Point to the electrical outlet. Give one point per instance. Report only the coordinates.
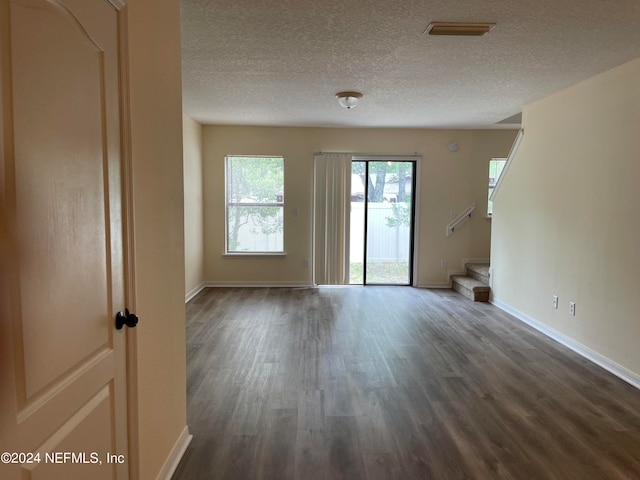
(555, 302)
(306, 263)
(453, 214)
(443, 264)
(572, 308)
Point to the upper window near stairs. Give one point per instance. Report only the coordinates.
(496, 165)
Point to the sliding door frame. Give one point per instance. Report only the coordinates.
(413, 237)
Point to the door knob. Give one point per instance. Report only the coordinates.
(126, 318)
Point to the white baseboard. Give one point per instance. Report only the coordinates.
(194, 292)
(435, 285)
(258, 284)
(616, 369)
(176, 454)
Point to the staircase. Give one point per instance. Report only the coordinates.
(475, 284)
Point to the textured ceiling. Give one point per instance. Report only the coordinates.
(259, 62)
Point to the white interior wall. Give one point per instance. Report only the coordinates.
(448, 181)
(566, 218)
(193, 206)
(158, 405)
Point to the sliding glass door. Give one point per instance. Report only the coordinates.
(381, 223)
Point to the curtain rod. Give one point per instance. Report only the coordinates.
(358, 154)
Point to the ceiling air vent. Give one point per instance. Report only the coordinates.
(459, 28)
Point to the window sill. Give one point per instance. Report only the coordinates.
(255, 254)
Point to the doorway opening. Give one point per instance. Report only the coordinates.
(382, 222)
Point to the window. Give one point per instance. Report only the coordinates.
(255, 204)
(495, 169)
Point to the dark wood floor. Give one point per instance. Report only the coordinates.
(393, 383)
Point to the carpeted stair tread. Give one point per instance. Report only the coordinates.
(470, 283)
(481, 269)
(475, 284)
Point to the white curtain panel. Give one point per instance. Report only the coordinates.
(332, 206)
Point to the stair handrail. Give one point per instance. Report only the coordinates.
(512, 153)
(461, 219)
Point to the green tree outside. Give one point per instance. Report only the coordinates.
(255, 196)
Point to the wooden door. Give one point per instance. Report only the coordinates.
(62, 377)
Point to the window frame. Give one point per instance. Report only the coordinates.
(228, 204)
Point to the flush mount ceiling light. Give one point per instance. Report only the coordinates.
(348, 100)
(459, 28)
